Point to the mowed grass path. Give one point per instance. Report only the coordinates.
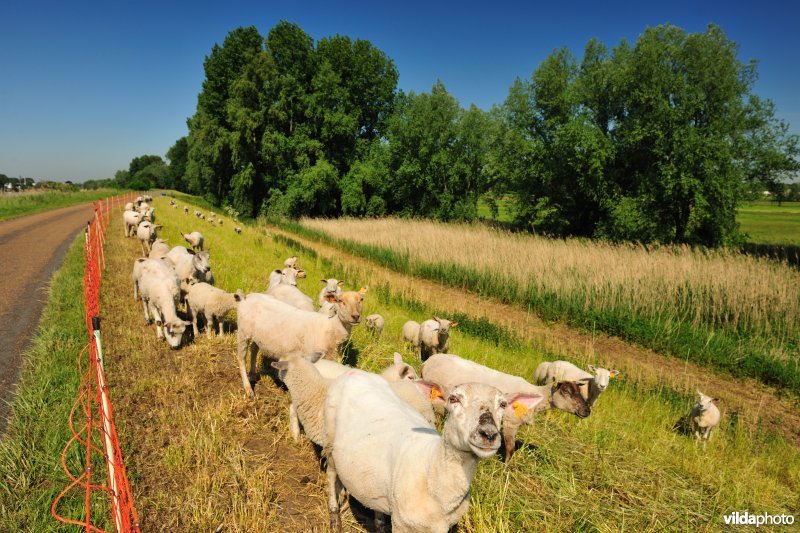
(202, 455)
(13, 205)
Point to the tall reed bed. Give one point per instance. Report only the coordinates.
(713, 306)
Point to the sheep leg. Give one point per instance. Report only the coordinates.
(219, 323)
(333, 495)
(209, 325)
(141, 243)
(294, 423)
(193, 318)
(159, 322)
(380, 522)
(510, 441)
(241, 355)
(146, 311)
(135, 290)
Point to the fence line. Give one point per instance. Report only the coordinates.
(93, 404)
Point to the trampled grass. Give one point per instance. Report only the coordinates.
(201, 455)
(30, 452)
(718, 308)
(14, 205)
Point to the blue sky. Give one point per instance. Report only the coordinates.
(87, 86)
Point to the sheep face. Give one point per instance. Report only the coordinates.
(476, 412)
(566, 396)
(348, 307)
(202, 262)
(402, 369)
(173, 332)
(332, 287)
(704, 402)
(602, 376)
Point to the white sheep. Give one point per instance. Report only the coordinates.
(194, 268)
(220, 221)
(195, 240)
(705, 417)
(158, 249)
(158, 287)
(237, 229)
(197, 213)
(591, 385)
(131, 221)
(280, 330)
(212, 303)
(290, 294)
(285, 275)
(411, 332)
(186, 210)
(291, 262)
(328, 293)
(146, 232)
(434, 336)
(390, 460)
(143, 208)
(449, 370)
(176, 252)
(374, 324)
(128, 206)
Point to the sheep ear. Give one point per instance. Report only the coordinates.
(521, 403)
(397, 358)
(453, 324)
(714, 399)
(437, 319)
(592, 368)
(315, 356)
(363, 290)
(614, 373)
(187, 323)
(237, 296)
(700, 393)
(141, 260)
(432, 391)
(325, 281)
(278, 271)
(280, 365)
(340, 283)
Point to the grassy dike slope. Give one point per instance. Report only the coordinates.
(202, 455)
(30, 453)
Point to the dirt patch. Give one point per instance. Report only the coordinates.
(756, 404)
(31, 249)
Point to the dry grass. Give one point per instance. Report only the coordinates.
(201, 455)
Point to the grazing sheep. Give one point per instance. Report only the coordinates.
(328, 293)
(434, 336)
(195, 240)
(194, 268)
(374, 324)
(281, 330)
(128, 206)
(290, 294)
(389, 459)
(450, 370)
(158, 249)
(705, 417)
(591, 386)
(220, 221)
(131, 221)
(147, 198)
(212, 303)
(411, 332)
(158, 287)
(186, 210)
(149, 214)
(176, 253)
(172, 201)
(286, 275)
(237, 229)
(143, 207)
(146, 233)
(197, 213)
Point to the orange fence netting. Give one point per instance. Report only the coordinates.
(91, 419)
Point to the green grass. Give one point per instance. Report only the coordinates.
(505, 210)
(623, 468)
(30, 453)
(766, 222)
(740, 353)
(14, 205)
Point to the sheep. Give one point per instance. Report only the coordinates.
(172, 201)
(128, 206)
(450, 370)
(411, 332)
(291, 262)
(308, 380)
(280, 330)
(194, 268)
(286, 275)
(434, 336)
(202, 217)
(176, 253)
(327, 309)
(146, 233)
(399, 370)
(147, 198)
(329, 291)
(195, 240)
(290, 294)
(591, 386)
(391, 461)
(143, 207)
(158, 287)
(212, 303)
(374, 324)
(149, 214)
(186, 210)
(237, 229)
(197, 213)
(705, 417)
(158, 249)
(138, 201)
(131, 220)
(220, 221)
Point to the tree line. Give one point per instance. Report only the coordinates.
(654, 141)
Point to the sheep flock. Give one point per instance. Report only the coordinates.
(403, 443)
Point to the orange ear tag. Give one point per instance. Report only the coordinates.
(519, 409)
(435, 393)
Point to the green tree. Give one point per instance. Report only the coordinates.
(178, 156)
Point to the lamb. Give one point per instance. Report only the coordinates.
(195, 240)
(391, 461)
(308, 380)
(705, 417)
(193, 268)
(374, 324)
(212, 303)
(197, 213)
(186, 210)
(290, 294)
(329, 291)
(411, 332)
(434, 336)
(237, 229)
(450, 370)
(281, 330)
(291, 262)
(159, 249)
(131, 221)
(146, 233)
(158, 287)
(220, 221)
(591, 386)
